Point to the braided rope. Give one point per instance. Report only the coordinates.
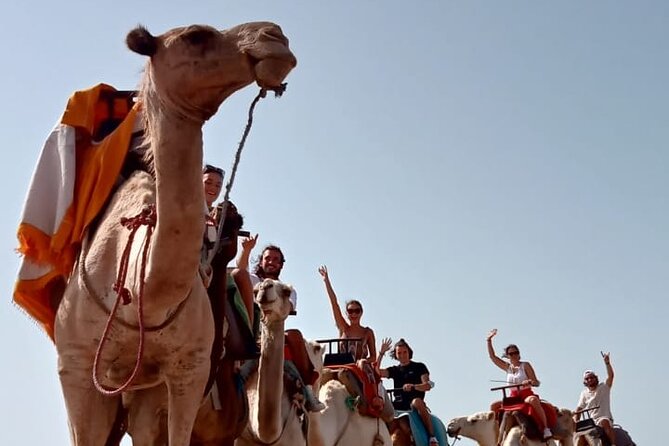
(278, 91)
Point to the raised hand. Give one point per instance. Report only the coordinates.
(248, 243)
(605, 356)
(386, 344)
(492, 334)
(323, 271)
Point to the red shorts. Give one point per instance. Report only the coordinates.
(521, 393)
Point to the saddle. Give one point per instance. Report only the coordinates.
(363, 383)
(523, 414)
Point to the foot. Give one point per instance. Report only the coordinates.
(547, 434)
(434, 441)
(311, 403)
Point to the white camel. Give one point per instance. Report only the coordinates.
(483, 428)
(191, 71)
(339, 424)
(274, 416)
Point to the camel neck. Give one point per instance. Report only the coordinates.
(175, 253)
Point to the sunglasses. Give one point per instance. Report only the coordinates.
(354, 310)
(209, 168)
(513, 353)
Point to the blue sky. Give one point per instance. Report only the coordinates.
(458, 166)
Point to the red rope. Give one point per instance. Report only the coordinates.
(146, 217)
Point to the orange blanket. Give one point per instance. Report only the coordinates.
(73, 178)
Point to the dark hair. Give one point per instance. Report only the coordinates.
(401, 343)
(208, 168)
(258, 271)
(506, 349)
(354, 302)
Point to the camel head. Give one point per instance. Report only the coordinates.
(272, 297)
(193, 69)
(481, 426)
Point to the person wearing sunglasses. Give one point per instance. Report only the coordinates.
(597, 396)
(518, 372)
(365, 349)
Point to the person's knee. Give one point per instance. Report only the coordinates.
(418, 404)
(533, 400)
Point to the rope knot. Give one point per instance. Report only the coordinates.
(147, 216)
(123, 293)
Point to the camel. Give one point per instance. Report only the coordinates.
(596, 437)
(483, 428)
(341, 425)
(190, 72)
(274, 417)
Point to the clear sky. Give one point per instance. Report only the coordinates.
(458, 166)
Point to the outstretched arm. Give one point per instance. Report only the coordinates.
(609, 369)
(336, 310)
(247, 246)
(491, 352)
(385, 346)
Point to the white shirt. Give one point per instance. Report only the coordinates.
(516, 375)
(601, 397)
(255, 280)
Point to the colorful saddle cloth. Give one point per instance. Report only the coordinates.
(71, 183)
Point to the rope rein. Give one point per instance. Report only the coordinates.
(146, 217)
(278, 92)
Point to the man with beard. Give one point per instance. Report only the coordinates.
(298, 367)
(597, 396)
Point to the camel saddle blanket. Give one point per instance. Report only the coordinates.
(418, 431)
(72, 181)
(527, 410)
(372, 403)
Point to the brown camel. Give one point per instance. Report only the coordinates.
(191, 71)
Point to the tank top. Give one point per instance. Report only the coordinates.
(516, 375)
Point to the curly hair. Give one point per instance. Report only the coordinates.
(258, 271)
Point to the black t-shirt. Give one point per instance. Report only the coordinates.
(408, 374)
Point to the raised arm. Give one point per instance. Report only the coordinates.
(609, 369)
(491, 352)
(336, 310)
(385, 346)
(248, 244)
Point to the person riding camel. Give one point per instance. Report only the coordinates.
(597, 397)
(518, 372)
(366, 348)
(414, 380)
(297, 367)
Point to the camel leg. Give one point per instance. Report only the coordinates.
(185, 392)
(82, 400)
(147, 416)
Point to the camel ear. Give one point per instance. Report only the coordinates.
(141, 41)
